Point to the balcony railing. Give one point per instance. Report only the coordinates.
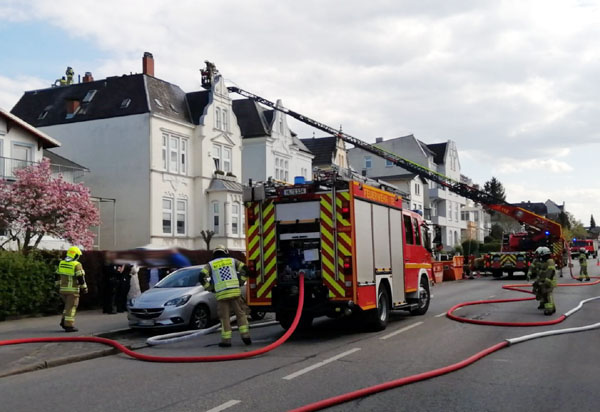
(9, 165)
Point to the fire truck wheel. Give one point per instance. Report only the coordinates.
(287, 318)
(257, 314)
(497, 273)
(377, 319)
(423, 300)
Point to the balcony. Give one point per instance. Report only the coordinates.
(8, 166)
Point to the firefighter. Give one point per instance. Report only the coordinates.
(223, 275)
(543, 270)
(583, 272)
(70, 279)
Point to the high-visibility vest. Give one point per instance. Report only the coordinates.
(224, 277)
(543, 269)
(68, 281)
(582, 259)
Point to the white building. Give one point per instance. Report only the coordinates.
(171, 160)
(22, 145)
(270, 148)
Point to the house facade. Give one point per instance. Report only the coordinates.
(439, 205)
(171, 160)
(270, 149)
(328, 152)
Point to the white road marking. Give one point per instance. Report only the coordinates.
(318, 365)
(440, 315)
(400, 330)
(493, 296)
(224, 406)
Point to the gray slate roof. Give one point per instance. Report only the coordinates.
(110, 100)
(322, 148)
(56, 159)
(222, 185)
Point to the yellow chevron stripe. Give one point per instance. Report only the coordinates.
(325, 232)
(343, 250)
(345, 237)
(333, 283)
(268, 237)
(341, 270)
(266, 285)
(327, 204)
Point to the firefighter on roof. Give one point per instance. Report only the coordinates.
(70, 278)
(542, 270)
(583, 272)
(223, 275)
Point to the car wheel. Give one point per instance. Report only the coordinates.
(200, 318)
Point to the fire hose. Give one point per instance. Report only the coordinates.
(176, 359)
(361, 393)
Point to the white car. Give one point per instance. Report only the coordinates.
(177, 300)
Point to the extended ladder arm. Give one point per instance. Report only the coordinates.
(457, 187)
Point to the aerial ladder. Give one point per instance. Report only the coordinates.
(544, 231)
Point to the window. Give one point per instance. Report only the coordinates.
(417, 231)
(449, 210)
(89, 96)
(167, 216)
(181, 217)
(125, 103)
(174, 153)
(225, 120)
(222, 157)
(158, 103)
(417, 189)
(408, 231)
(216, 227)
(282, 169)
(22, 154)
(476, 216)
(389, 163)
(368, 162)
(464, 216)
(280, 125)
(235, 219)
(218, 118)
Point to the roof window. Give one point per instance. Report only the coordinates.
(158, 103)
(173, 107)
(43, 115)
(125, 103)
(89, 96)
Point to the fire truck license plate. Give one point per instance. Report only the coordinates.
(294, 191)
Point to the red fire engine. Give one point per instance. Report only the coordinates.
(359, 251)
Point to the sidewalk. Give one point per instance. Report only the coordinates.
(27, 357)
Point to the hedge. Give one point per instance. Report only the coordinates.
(27, 284)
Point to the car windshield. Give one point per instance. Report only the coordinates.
(181, 278)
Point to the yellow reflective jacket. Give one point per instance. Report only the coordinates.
(71, 276)
(221, 276)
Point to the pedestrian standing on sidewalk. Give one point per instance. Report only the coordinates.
(71, 282)
(123, 285)
(134, 288)
(110, 278)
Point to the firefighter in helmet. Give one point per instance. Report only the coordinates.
(70, 279)
(224, 275)
(583, 272)
(543, 270)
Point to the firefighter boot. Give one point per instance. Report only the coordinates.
(587, 279)
(62, 323)
(70, 329)
(549, 309)
(247, 340)
(541, 305)
(225, 343)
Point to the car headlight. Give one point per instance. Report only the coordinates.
(178, 301)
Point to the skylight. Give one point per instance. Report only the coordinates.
(158, 103)
(89, 96)
(125, 103)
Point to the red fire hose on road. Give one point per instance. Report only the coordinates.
(176, 359)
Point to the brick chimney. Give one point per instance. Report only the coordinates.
(88, 77)
(72, 106)
(148, 64)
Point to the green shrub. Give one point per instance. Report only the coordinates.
(490, 247)
(471, 247)
(27, 284)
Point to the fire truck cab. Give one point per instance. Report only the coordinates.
(359, 251)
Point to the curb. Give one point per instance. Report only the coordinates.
(50, 363)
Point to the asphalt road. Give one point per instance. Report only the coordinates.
(558, 373)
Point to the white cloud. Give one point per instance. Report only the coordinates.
(549, 165)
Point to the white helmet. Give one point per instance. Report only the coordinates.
(542, 251)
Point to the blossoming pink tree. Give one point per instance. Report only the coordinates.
(38, 205)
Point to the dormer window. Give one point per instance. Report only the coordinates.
(89, 96)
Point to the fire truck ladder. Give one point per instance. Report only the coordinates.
(460, 188)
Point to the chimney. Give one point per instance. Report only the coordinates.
(148, 64)
(72, 106)
(378, 139)
(88, 77)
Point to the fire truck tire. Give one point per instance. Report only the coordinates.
(497, 273)
(287, 318)
(423, 299)
(377, 319)
(258, 314)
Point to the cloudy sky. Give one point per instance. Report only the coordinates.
(514, 83)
